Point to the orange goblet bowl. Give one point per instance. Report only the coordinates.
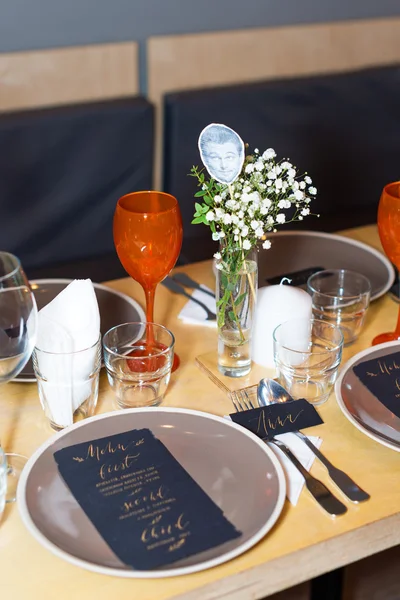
(148, 238)
(389, 234)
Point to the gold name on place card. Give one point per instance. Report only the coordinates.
(265, 425)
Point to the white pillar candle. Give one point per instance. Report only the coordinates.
(275, 305)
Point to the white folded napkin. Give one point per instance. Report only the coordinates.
(294, 479)
(69, 323)
(193, 314)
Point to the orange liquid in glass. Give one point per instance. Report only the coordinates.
(389, 233)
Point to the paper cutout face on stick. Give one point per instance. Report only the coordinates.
(222, 152)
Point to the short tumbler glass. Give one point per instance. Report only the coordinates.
(138, 358)
(307, 355)
(340, 297)
(68, 383)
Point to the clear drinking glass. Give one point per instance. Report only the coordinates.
(68, 383)
(341, 297)
(18, 323)
(307, 355)
(138, 358)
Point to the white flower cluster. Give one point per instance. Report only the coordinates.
(255, 203)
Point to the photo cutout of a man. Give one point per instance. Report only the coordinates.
(222, 152)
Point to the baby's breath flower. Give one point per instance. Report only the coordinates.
(217, 256)
(246, 245)
(227, 219)
(249, 168)
(268, 154)
(254, 224)
(280, 218)
(308, 180)
(312, 191)
(210, 216)
(217, 199)
(266, 245)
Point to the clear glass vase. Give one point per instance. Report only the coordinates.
(236, 300)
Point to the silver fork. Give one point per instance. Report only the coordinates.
(317, 489)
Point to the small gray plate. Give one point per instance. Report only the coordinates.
(361, 407)
(293, 251)
(234, 467)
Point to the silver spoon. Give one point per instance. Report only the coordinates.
(269, 392)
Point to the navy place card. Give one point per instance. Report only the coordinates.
(144, 504)
(268, 421)
(382, 377)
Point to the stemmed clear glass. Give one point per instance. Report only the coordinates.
(18, 325)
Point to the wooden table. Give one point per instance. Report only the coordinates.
(304, 543)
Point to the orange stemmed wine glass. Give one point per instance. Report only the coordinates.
(148, 239)
(389, 233)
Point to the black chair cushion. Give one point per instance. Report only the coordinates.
(343, 129)
(62, 171)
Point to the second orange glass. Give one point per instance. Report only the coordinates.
(389, 233)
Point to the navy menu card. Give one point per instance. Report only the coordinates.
(143, 503)
(268, 421)
(382, 377)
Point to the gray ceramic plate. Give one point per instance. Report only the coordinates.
(294, 251)
(115, 308)
(361, 407)
(238, 471)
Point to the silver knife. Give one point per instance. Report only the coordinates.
(317, 489)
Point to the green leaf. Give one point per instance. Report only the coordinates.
(232, 316)
(197, 220)
(208, 200)
(224, 280)
(240, 299)
(200, 193)
(199, 207)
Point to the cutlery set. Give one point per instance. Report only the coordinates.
(269, 392)
(175, 284)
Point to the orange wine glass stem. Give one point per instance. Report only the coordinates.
(150, 293)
